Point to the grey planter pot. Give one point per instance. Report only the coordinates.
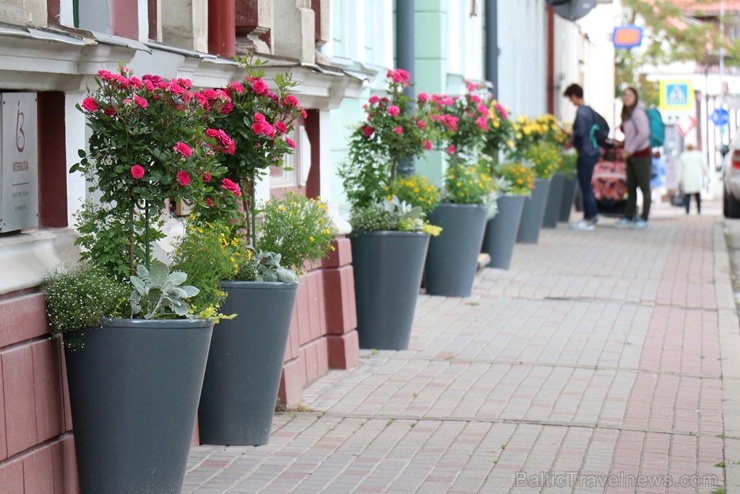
(134, 391)
(534, 208)
(501, 231)
(569, 194)
(453, 255)
(554, 200)
(387, 269)
(244, 366)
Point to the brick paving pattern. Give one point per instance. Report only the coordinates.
(595, 358)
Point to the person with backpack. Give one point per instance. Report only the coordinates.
(585, 138)
(636, 129)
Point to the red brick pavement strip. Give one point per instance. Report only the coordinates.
(576, 360)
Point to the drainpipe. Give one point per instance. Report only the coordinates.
(222, 27)
(405, 56)
(550, 61)
(491, 43)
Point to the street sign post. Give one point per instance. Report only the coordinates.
(720, 117)
(676, 95)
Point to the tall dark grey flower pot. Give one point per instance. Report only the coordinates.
(387, 269)
(134, 391)
(243, 373)
(554, 200)
(569, 193)
(501, 231)
(532, 212)
(453, 255)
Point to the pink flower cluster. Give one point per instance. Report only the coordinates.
(226, 143)
(399, 76)
(231, 186)
(449, 121)
(501, 111)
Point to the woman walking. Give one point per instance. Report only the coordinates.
(636, 129)
(692, 169)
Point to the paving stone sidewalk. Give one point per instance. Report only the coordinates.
(596, 363)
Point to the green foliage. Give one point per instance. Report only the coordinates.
(266, 266)
(209, 252)
(517, 178)
(394, 215)
(468, 184)
(159, 294)
(78, 297)
(568, 164)
(296, 227)
(396, 129)
(417, 191)
(545, 157)
(104, 237)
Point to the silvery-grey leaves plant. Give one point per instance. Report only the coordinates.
(157, 292)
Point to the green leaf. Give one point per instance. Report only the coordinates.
(158, 275)
(177, 278)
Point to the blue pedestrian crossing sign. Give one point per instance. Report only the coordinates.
(676, 95)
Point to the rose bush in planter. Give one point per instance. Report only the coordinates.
(390, 236)
(137, 371)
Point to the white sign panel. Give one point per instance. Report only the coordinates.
(19, 180)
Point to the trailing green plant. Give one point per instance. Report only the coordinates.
(78, 297)
(392, 214)
(417, 191)
(297, 228)
(159, 294)
(468, 184)
(396, 129)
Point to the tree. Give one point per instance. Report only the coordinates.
(671, 36)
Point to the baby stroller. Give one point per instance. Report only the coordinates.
(610, 183)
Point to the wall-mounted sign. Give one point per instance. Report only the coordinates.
(627, 37)
(19, 179)
(676, 95)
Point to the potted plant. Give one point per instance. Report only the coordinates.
(247, 351)
(530, 147)
(551, 131)
(467, 200)
(390, 237)
(135, 362)
(515, 182)
(568, 170)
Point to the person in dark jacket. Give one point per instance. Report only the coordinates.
(588, 155)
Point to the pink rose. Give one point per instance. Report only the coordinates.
(482, 110)
(421, 124)
(105, 75)
(290, 142)
(367, 131)
(212, 132)
(175, 88)
(183, 178)
(183, 149)
(281, 127)
(269, 130)
(210, 93)
(475, 99)
(258, 128)
(481, 121)
(207, 177)
(451, 149)
(231, 186)
(149, 86)
(209, 202)
(110, 111)
(137, 171)
(259, 87)
(428, 145)
(258, 117)
(373, 100)
(398, 130)
(89, 104)
(226, 109)
(141, 101)
(393, 111)
(291, 101)
(135, 82)
(502, 111)
(303, 113)
(236, 87)
(423, 97)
